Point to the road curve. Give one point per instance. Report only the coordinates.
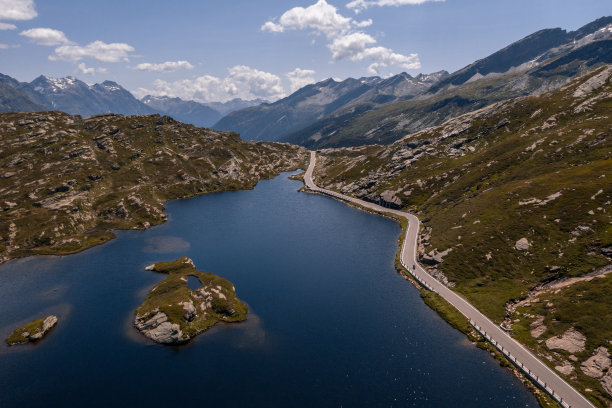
(544, 376)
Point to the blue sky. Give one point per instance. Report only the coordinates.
(220, 49)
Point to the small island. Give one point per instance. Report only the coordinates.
(32, 332)
(173, 313)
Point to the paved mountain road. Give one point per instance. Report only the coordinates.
(517, 353)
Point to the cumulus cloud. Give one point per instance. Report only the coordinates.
(17, 10)
(359, 5)
(83, 69)
(99, 50)
(345, 39)
(241, 82)
(348, 46)
(299, 78)
(6, 26)
(321, 17)
(168, 66)
(46, 36)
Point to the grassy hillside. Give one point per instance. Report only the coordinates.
(66, 181)
(518, 192)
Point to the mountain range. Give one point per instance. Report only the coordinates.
(379, 111)
(273, 121)
(540, 62)
(74, 96)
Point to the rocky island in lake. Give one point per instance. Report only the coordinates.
(173, 313)
(33, 331)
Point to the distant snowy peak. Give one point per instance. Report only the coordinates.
(111, 86)
(45, 84)
(433, 77)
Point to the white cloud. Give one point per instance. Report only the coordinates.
(272, 27)
(345, 41)
(350, 45)
(364, 23)
(17, 10)
(299, 78)
(241, 82)
(83, 69)
(354, 46)
(359, 5)
(168, 66)
(46, 36)
(383, 57)
(321, 17)
(98, 50)
(6, 26)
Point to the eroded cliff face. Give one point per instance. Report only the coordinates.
(66, 181)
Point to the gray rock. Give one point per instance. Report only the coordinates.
(606, 382)
(522, 244)
(48, 324)
(159, 329)
(155, 321)
(166, 333)
(190, 311)
(572, 341)
(596, 365)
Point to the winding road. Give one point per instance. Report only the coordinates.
(541, 374)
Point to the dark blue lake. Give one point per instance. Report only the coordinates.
(331, 323)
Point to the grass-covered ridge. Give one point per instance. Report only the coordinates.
(537, 168)
(67, 181)
(174, 313)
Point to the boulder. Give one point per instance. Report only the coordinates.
(190, 311)
(522, 244)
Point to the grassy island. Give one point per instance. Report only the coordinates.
(173, 313)
(33, 331)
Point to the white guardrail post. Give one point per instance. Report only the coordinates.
(538, 381)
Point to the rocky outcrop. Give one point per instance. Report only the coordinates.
(537, 327)
(434, 257)
(565, 368)
(33, 331)
(159, 329)
(571, 341)
(596, 365)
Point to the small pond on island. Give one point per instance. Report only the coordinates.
(331, 323)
